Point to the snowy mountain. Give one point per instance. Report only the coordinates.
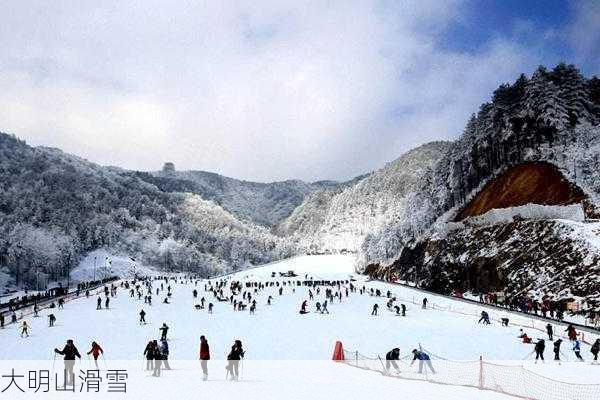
(56, 207)
(262, 203)
(339, 218)
(540, 132)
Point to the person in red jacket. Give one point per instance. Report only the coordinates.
(204, 356)
(95, 351)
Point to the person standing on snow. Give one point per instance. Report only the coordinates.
(164, 351)
(99, 303)
(51, 320)
(423, 360)
(24, 329)
(424, 303)
(234, 357)
(70, 352)
(142, 317)
(549, 331)
(571, 332)
(163, 331)
(95, 351)
(390, 360)
(149, 354)
(157, 357)
(557, 344)
(539, 350)
(204, 357)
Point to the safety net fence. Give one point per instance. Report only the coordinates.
(513, 380)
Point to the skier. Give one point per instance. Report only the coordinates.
(403, 310)
(390, 359)
(550, 331)
(61, 303)
(210, 308)
(106, 302)
(424, 303)
(95, 351)
(164, 351)
(318, 305)
(142, 317)
(269, 300)
(324, 308)
(539, 350)
(204, 357)
(485, 318)
(163, 331)
(234, 357)
(557, 344)
(35, 310)
(423, 359)
(99, 303)
(577, 349)
(51, 320)
(24, 329)
(375, 307)
(70, 352)
(595, 349)
(149, 353)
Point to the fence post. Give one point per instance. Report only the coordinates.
(480, 372)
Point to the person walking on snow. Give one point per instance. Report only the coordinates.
(142, 317)
(571, 332)
(99, 303)
(204, 357)
(234, 357)
(69, 352)
(375, 307)
(106, 302)
(539, 350)
(51, 320)
(424, 303)
(577, 349)
(595, 349)
(95, 351)
(390, 360)
(423, 360)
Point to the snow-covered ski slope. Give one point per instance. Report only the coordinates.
(278, 335)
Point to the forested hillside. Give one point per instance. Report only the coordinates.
(55, 207)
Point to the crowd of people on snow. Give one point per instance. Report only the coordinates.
(242, 295)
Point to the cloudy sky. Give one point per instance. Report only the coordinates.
(270, 90)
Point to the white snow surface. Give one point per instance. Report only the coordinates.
(287, 353)
(108, 264)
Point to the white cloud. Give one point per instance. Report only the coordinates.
(257, 90)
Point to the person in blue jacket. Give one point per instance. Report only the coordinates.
(577, 349)
(423, 360)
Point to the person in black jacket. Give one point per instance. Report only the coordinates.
(69, 352)
(539, 350)
(390, 359)
(595, 349)
(149, 353)
(557, 344)
(234, 357)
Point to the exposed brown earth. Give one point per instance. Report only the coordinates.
(531, 182)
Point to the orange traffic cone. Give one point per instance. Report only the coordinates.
(338, 352)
